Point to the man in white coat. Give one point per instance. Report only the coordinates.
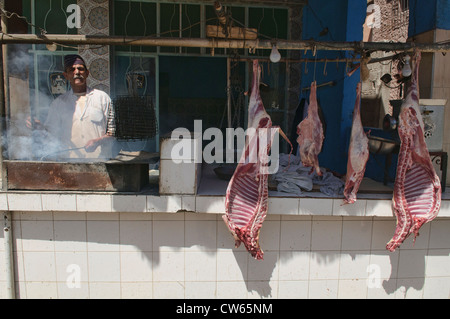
(81, 118)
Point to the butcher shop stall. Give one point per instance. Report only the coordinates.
(258, 149)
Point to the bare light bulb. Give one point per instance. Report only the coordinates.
(406, 70)
(275, 55)
(51, 47)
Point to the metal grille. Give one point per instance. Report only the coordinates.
(134, 118)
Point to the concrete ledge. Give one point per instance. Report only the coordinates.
(142, 203)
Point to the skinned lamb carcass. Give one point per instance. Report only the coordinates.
(417, 189)
(246, 201)
(310, 134)
(358, 153)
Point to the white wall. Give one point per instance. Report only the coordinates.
(191, 255)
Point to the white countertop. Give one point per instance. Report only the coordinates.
(210, 198)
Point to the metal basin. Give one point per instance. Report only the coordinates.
(225, 171)
(382, 146)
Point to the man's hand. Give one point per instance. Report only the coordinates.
(92, 145)
(34, 124)
(96, 142)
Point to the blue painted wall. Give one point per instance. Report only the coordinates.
(426, 15)
(443, 14)
(344, 20)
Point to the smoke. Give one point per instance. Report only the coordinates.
(19, 60)
(31, 90)
(20, 142)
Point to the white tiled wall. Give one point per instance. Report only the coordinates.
(191, 255)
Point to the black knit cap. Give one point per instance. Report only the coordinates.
(71, 59)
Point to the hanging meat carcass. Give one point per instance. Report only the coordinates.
(310, 134)
(358, 153)
(246, 200)
(417, 189)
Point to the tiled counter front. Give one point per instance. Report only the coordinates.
(142, 246)
(107, 202)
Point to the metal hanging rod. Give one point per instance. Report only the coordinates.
(76, 39)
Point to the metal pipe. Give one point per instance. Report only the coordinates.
(330, 83)
(9, 259)
(229, 92)
(2, 121)
(5, 67)
(78, 39)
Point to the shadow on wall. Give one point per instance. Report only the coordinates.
(321, 256)
(336, 265)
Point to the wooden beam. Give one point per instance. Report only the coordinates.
(77, 39)
(256, 3)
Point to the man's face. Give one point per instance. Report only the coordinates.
(76, 75)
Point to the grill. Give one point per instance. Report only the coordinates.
(134, 118)
(65, 176)
(128, 172)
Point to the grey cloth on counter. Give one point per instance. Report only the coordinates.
(292, 177)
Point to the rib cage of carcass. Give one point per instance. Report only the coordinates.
(417, 189)
(246, 201)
